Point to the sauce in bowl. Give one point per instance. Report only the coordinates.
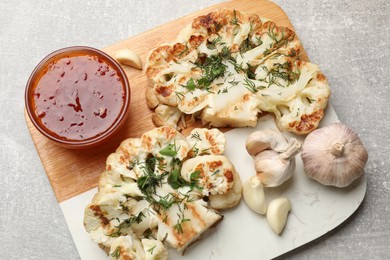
(77, 96)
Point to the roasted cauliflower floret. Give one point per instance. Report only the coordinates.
(166, 115)
(206, 141)
(126, 247)
(217, 177)
(154, 249)
(300, 108)
(223, 67)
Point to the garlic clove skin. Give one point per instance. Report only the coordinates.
(274, 168)
(253, 193)
(334, 155)
(266, 139)
(271, 170)
(277, 213)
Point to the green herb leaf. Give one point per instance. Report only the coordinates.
(170, 151)
(190, 85)
(195, 175)
(174, 179)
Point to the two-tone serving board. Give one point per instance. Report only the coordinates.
(242, 234)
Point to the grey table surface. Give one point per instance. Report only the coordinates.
(350, 40)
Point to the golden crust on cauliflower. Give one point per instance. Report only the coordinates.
(223, 67)
(153, 192)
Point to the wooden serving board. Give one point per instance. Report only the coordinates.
(72, 172)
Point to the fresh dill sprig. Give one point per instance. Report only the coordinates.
(247, 45)
(150, 250)
(233, 82)
(179, 95)
(196, 136)
(250, 85)
(213, 44)
(126, 224)
(178, 227)
(212, 68)
(150, 180)
(216, 172)
(183, 51)
(116, 253)
(234, 21)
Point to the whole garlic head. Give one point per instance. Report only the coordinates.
(334, 155)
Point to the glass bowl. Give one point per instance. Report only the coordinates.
(78, 97)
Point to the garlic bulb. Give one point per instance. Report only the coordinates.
(265, 139)
(274, 168)
(334, 155)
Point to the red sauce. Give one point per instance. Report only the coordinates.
(78, 97)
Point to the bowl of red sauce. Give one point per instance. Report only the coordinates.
(78, 97)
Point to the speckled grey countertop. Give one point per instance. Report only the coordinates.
(350, 40)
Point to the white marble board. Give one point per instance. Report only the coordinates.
(316, 209)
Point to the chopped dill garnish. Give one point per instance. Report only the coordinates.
(233, 82)
(259, 41)
(234, 21)
(178, 227)
(126, 224)
(250, 85)
(212, 68)
(213, 44)
(148, 182)
(216, 172)
(183, 51)
(246, 45)
(116, 253)
(196, 136)
(179, 95)
(150, 250)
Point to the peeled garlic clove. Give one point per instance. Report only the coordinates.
(129, 57)
(334, 155)
(254, 195)
(277, 213)
(266, 139)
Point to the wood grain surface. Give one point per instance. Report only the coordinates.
(72, 172)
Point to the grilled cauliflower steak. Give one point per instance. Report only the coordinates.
(153, 193)
(228, 67)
